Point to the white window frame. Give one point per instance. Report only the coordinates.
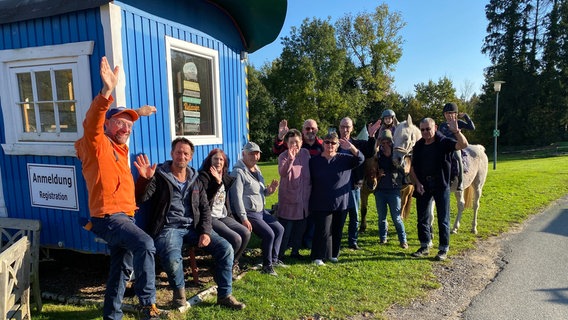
(213, 56)
(48, 144)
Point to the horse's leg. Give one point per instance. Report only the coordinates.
(476, 197)
(461, 206)
(431, 208)
(364, 203)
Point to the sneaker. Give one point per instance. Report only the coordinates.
(334, 259)
(441, 256)
(279, 264)
(269, 270)
(383, 241)
(404, 245)
(354, 246)
(422, 252)
(319, 262)
(151, 312)
(231, 303)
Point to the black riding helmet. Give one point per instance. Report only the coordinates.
(450, 107)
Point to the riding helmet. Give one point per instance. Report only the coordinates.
(450, 107)
(388, 113)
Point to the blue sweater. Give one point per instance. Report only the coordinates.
(331, 181)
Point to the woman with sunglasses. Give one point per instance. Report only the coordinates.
(330, 174)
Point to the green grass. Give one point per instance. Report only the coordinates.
(372, 279)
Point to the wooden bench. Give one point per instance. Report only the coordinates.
(15, 280)
(13, 229)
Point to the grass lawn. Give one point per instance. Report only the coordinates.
(371, 279)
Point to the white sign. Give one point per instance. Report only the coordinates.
(53, 186)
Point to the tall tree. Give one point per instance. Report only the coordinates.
(308, 79)
(374, 45)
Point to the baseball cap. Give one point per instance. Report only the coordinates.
(251, 147)
(120, 110)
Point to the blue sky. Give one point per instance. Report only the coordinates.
(441, 38)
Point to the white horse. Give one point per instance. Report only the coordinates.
(406, 135)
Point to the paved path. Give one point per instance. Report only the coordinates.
(534, 281)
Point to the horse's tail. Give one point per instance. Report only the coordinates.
(468, 197)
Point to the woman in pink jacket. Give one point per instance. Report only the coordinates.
(294, 192)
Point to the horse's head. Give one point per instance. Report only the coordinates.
(405, 136)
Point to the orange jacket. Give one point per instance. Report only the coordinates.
(105, 165)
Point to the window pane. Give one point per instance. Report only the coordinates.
(193, 97)
(64, 84)
(25, 86)
(67, 117)
(43, 83)
(47, 117)
(28, 117)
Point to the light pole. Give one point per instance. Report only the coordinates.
(497, 88)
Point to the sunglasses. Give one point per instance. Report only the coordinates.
(330, 142)
(310, 129)
(425, 129)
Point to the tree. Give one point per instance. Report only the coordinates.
(374, 46)
(432, 97)
(308, 79)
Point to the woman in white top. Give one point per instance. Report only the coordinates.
(216, 181)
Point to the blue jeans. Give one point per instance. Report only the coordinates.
(353, 211)
(131, 249)
(169, 247)
(390, 198)
(270, 231)
(423, 203)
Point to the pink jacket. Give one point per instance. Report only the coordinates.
(295, 185)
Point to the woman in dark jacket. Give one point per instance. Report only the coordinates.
(216, 180)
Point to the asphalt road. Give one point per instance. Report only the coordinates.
(534, 281)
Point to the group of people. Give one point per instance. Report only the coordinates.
(216, 210)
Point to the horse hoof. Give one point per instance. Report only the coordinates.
(454, 231)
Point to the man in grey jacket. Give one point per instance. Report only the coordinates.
(179, 214)
(247, 201)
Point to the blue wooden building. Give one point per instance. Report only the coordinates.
(186, 57)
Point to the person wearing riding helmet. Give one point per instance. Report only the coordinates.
(388, 121)
(451, 112)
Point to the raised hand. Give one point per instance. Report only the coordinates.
(374, 127)
(145, 169)
(345, 144)
(272, 187)
(146, 110)
(453, 123)
(282, 129)
(109, 77)
(216, 174)
(293, 151)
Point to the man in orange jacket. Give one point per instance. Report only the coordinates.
(104, 155)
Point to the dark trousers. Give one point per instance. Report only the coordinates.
(234, 232)
(423, 204)
(327, 234)
(270, 231)
(293, 231)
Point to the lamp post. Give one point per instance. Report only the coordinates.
(497, 88)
